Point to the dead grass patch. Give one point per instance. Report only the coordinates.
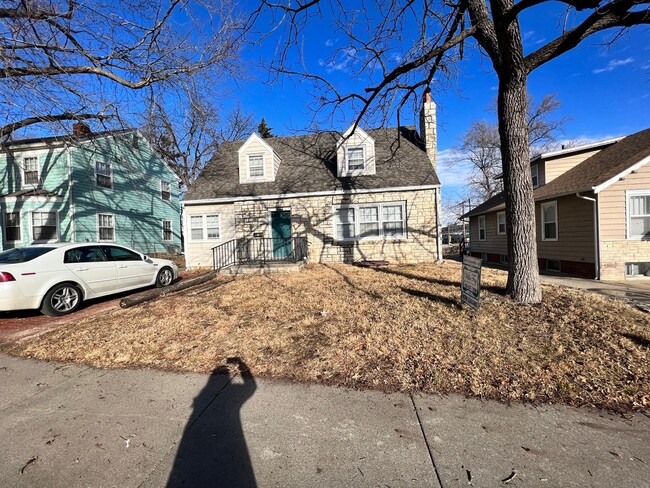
(402, 329)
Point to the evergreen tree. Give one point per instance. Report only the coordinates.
(264, 130)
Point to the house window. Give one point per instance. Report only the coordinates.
(166, 190)
(534, 173)
(501, 223)
(105, 227)
(44, 226)
(381, 221)
(503, 258)
(549, 221)
(167, 234)
(481, 228)
(637, 269)
(355, 158)
(553, 265)
(205, 225)
(30, 170)
(12, 227)
(103, 174)
(256, 165)
(638, 211)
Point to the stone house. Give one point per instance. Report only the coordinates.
(323, 197)
(592, 208)
(88, 187)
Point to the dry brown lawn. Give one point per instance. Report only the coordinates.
(400, 329)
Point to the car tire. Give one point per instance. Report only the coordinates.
(165, 277)
(62, 299)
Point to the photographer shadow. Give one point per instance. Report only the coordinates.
(213, 451)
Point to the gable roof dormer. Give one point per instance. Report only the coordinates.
(355, 153)
(258, 162)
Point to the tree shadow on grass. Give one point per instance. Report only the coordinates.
(213, 451)
(637, 339)
(498, 290)
(434, 298)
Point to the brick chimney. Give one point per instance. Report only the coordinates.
(80, 129)
(428, 131)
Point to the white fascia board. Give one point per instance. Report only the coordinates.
(352, 130)
(585, 147)
(32, 198)
(622, 174)
(255, 137)
(283, 196)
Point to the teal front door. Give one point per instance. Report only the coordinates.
(281, 233)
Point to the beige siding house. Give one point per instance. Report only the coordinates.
(592, 210)
(325, 197)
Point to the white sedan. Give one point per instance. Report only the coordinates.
(56, 278)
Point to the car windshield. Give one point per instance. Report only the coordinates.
(23, 254)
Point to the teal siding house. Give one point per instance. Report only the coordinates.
(88, 187)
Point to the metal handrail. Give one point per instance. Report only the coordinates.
(259, 250)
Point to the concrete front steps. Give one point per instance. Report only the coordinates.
(265, 268)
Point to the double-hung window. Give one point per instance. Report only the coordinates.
(376, 221)
(166, 190)
(501, 223)
(45, 226)
(638, 211)
(355, 159)
(103, 174)
(12, 227)
(549, 221)
(481, 228)
(256, 166)
(534, 174)
(30, 171)
(205, 227)
(167, 233)
(106, 227)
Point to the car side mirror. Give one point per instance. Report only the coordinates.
(145, 257)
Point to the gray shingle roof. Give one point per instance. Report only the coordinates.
(593, 171)
(65, 138)
(309, 165)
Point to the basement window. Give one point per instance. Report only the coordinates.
(637, 269)
(553, 265)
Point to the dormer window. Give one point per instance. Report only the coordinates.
(355, 159)
(256, 166)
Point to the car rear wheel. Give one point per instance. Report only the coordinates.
(62, 299)
(165, 277)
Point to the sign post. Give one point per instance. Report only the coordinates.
(471, 282)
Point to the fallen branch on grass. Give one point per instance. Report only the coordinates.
(145, 297)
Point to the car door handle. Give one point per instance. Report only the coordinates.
(122, 267)
(81, 269)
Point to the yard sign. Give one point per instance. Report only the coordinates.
(471, 282)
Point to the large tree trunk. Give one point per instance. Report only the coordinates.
(523, 276)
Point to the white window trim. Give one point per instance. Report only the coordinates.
(22, 158)
(557, 223)
(204, 227)
(114, 227)
(357, 223)
(481, 218)
(347, 159)
(162, 182)
(31, 226)
(248, 165)
(628, 214)
(504, 223)
(536, 168)
(171, 229)
(110, 165)
(20, 226)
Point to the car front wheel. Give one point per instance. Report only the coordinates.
(165, 277)
(62, 299)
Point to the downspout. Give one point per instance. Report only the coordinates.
(70, 193)
(438, 226)
(596, 232)
(186, 247)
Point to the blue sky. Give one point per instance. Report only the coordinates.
(604, 90)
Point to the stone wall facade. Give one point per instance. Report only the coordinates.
(313, 217)
(614, 255)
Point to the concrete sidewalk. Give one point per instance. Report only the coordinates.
(73, 426)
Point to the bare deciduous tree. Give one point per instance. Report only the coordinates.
(187, 133)
(398, 53)
(480, 146)
(73, 60)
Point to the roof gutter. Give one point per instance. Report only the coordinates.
(596, 232)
